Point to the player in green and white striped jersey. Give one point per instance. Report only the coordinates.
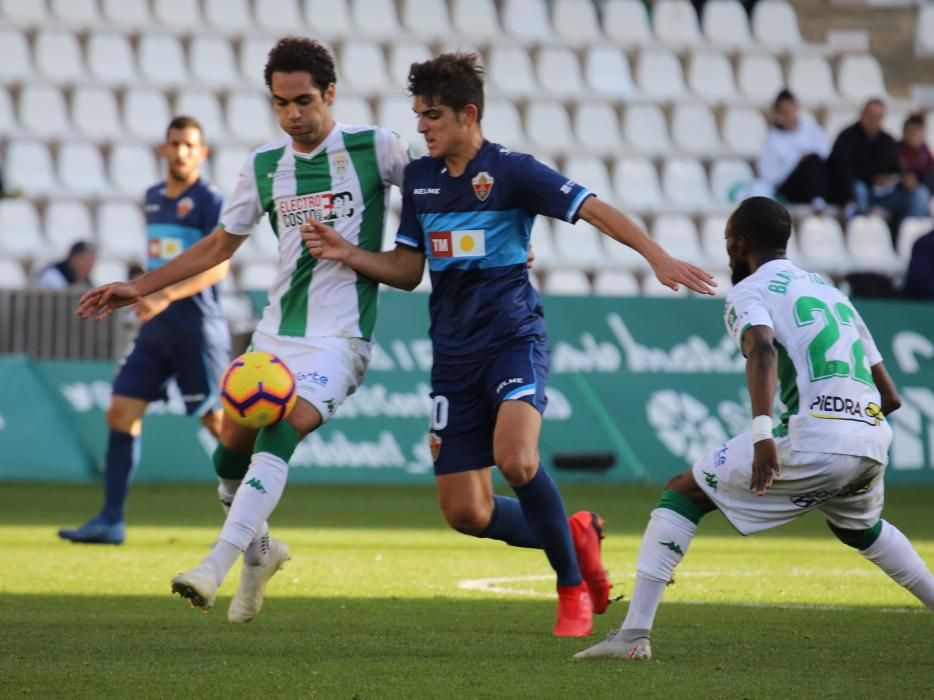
(320, 315)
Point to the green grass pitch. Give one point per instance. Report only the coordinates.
(382, 601)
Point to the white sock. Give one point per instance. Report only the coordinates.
(221, 558)
(664, 544)
(893, 553)
(226, 490)
(256, 498)
(257, 552)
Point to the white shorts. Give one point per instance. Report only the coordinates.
(327, 370)
(848, 490)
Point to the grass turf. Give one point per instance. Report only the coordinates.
(371, 607)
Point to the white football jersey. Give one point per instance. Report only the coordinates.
(825, 353)
(344, 183)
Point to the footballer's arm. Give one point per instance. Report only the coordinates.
(891, 401)
(761, 377)
(153, 304)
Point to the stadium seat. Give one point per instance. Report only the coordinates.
(675, 23)
(606, 71)
(107, 270)
(133, 169)
(401, 58)
(895, 115)
(27, 166)
(836, 119)
(811, 80)
(694, 130)
(676, 234)
(729, 178)
(527, 20)
(548, 127)
(121, 231)
(180, 16)
(476, 20)
(257, 275)
(713, 241)
(8, 125)
(229, 17)
(376, 19)
(567, 283)
(81, 169)
(75, 14)
(596, 128)
(58, 56)
(426, 20)
(146, 114)
(228, 161)
(822, 247)
(590, 172)
(710, 77)
(510, 71)
(578, 246)
(615, 283)
(204, 107)
(213, 62)
(859, 77)
(126, 14)
(278, 16)
(626, 22)
(22, 237)
(253, 55)
(501, 124)
(744, 131)
(659, 76)
(909, 231)
(262, 245)
(67, 221)
(111, 60)
(869, 244)
(760, 78)
(24, 13)
(684, 183)
(396, 113)
(542, 240)
(636, 185)
(250, 119)
(42, 111)
(95, 114)
(329, 19)
(15, 64)
(363, 68)
(645, 129)
(161, 60)
(724, 23)
(12, 274)
(576, 22)
(924, 32)
(775, 24)
(652, 288)
(353, 109)
(559, 72)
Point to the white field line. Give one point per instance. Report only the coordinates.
(497, 585)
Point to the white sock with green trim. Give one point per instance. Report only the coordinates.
(893, 553)
(256, 553)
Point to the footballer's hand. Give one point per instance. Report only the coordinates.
(101, 301)
(150, 306)
(673, 272)
(324, 243)
(765, 466)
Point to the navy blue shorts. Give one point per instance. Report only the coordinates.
(467, 396)
(197, 368)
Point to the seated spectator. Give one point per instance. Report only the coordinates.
(793, 159)
(919, 282)
(914, 156)
(75, 270)
(865, 172)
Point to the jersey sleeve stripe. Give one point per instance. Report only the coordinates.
(576, 204)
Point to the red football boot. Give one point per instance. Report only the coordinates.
(575, 611)
(587, 531)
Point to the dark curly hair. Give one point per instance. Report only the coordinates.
(293, 54)
(764, 223)
(452, 79)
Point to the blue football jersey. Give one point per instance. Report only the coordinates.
(474, 230)
(172, 226)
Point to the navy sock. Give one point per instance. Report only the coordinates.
(546, 517)
(508, 524)
(122, 458)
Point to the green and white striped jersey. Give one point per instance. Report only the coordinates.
(825, 355)
(345, 183)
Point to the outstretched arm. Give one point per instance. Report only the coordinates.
(761, 378)
(401, 268)
(154, 304)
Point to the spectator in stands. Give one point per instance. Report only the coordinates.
(793, 159)
(919, 283)
(75, 270)
(865, 172)
(914, 156)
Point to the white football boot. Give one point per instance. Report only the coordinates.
(615, 647)
(248, 601)
(198, 586)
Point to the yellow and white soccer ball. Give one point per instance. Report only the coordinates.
(257, 390)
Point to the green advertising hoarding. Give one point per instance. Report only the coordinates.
(650, 384)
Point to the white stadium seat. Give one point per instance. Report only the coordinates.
(81, 169)
(12, 274)
(527, 20)
(615, 283)
(8, 125)
(859, 77)
(229, 17)
(161, 60)
(121, 231)
(27, 166)
(596, 127)
(684, 183)
(501, 123)
(836, 119)
(250, 118)
(645, 129)
(543, 243)
(253, 55)
(42, 111)
(257, 275)
(636, 185)
(576, 21)
(107, 270)
(23, 13)
(710, 77)
(401, 58)
(213, 62)
(744, 131)
(760, 78)
(811, 80)
(659, 75)
(204, 107)
(181, 16)
(676, 234)
(95, 114)
(133, 169)
(591, 173)
(476, 19)
(228, 162)
(626, 22)
(329, 19)
(822, 247)
(262, 245)
(909, 231)
(396, 113)
(277, 16)
(694, 129)
(869, 244)
(353, 109)
(567, 283)
(376, 19)
(363, 68)
(15, 64)
(725, 24)
(510, 71)
(19, 222)
(675, 23)
(548, 127)
(559, 72)
(775, 24)
(67, 221)
(58, 56)
(713, 241)
(606, 71)
(146, 114)
(578, 246)
(126, 14)
(111, 60)
(729, 178)
(426, 19)
(924, 32)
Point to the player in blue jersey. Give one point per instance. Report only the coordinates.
(184, 334)
(468, 208)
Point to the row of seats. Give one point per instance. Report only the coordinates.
(370, 68)
(574, 22)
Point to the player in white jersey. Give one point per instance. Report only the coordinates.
(320, 315)
(829, 450)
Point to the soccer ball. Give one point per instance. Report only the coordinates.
(257, 390)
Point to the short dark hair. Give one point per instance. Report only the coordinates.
(873, 101)
(916, 119)
(763, 222)
(783, 96)
(81, 247)
(451, 79)
(183, 121)
(296, 54)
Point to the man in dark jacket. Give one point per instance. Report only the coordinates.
(919, 283)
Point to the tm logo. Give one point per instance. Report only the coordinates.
(711, 480)
(673, 546)
(256, 484)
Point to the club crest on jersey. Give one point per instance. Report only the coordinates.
(482, 184)
(339, 164)
(434, 444)
(184, 207)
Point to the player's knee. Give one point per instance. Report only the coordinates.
(518, 466)
(858, 539)
(236, 437)
(212, 421)
(123, 418)
(467, 518)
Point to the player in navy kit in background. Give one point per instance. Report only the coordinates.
(468, 207)
(184, 333)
